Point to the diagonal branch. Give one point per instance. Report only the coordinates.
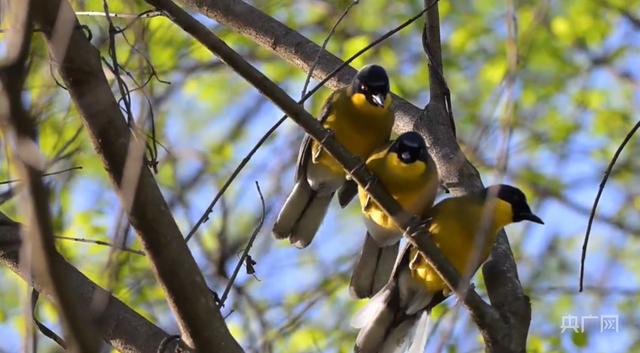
(121, 327)
(484, 314)
(200, 322)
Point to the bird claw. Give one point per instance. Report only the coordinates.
(361, 164)
(415, 224)
(328, 133)
(372, 181)
(425, 222)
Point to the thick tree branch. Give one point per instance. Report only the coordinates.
(201, 323)
(79, 331)
(500, 271)
(123, 328)
(486, 316)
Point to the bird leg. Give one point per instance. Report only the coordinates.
(371, 181)
(328, 133)
(361, 164)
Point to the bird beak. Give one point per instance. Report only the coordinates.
(378, 99)
(531, 217)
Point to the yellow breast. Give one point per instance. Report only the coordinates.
(455, 229)
(360, 127)
(413, 185)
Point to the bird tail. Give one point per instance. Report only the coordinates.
(373, 269)
(385, 328)
(302, 214)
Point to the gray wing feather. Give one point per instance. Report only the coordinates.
(304, 154)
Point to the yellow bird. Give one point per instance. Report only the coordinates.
(408, 173)
(361, 120)
(465, 229)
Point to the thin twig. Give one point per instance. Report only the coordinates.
(125, 93)
(44, 174)
(245, 252)
(324, 46)
(42, 327)
(247, 158)
(149, 14)
(99, 242)
(597, 200)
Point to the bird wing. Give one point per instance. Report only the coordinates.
(304, 154)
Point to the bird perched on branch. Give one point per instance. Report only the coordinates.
(408, 173)
(360, 118)
(464, 228)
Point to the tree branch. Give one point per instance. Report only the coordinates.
(123, 328)
(484, 314)
(431, 43)
(500, 271)
(200, 322)
(39, 246)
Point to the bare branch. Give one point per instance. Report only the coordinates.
(323, 47)
(79, 329)
(43, 174)
(200, 321)
(98, 242)
(150, 14)
(123, 328)
(246, 250)
(599, 194)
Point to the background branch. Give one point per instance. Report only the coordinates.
(200, 322)
(121, 327)
(79, 330)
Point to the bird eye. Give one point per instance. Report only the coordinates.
(363, 87)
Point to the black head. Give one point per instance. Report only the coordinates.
(518, 201)
(373, 82)
(410, 147)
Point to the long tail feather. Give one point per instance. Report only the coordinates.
(384, 267)
(367, 314)
(307, 226)
(362, 278)
(375, 321)
(292, 209)
(398, 340)
(373, 269)
(420, 335)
